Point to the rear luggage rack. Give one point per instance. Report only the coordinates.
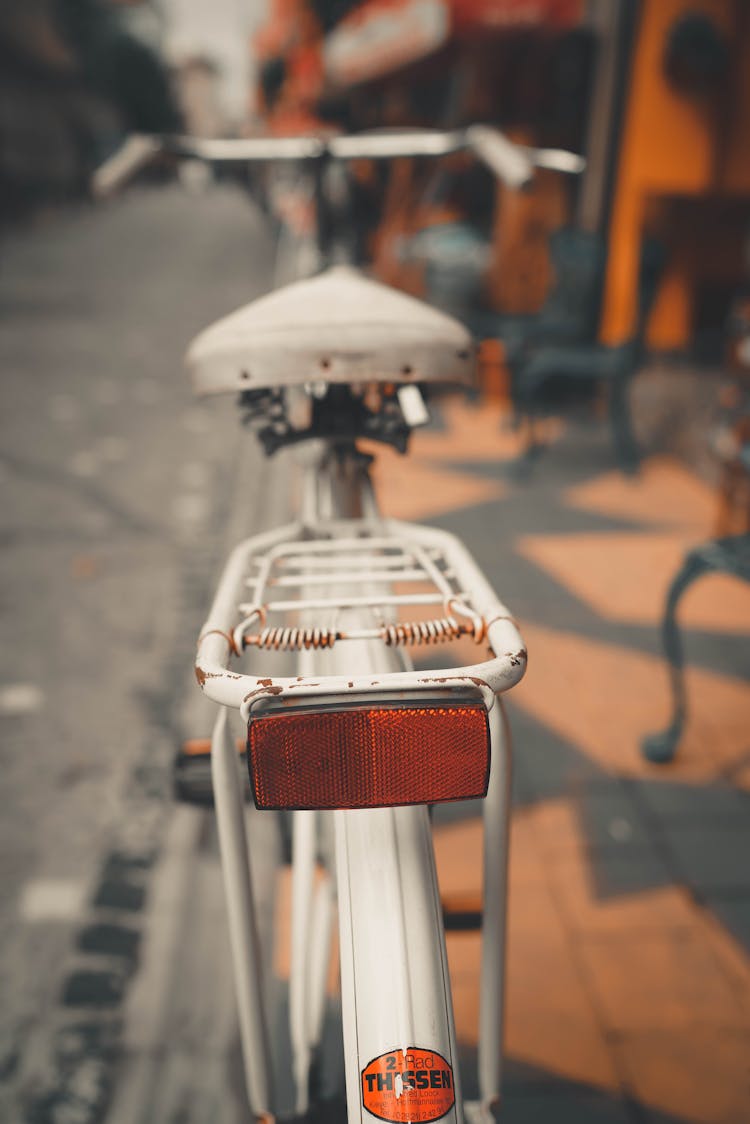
(366, 561)
(404, 584)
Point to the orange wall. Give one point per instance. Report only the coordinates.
(668, 148)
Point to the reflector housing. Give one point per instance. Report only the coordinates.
(369, 756)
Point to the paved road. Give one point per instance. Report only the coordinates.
(117, 493)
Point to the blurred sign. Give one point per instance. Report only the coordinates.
(382, 36)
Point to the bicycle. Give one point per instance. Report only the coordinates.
(358, 745)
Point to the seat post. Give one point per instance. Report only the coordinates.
(338, 486)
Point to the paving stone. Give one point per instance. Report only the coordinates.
(711, 858)
(617, 875)
(552, 1033)
(692, 1072)
(120, 895)
(612, 892)
(81, 1097)
(74, 1040)
(597, 816)
(566, 1108)
(523, 1080)
(94, 989)
(110, 940)
(696, 804)
(734, 914)
(610, 818)
(549, 765)
(661, 980)
(563, 1047)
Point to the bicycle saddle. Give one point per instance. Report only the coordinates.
(337, 327)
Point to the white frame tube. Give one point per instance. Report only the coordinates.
(496, 818)
(243, 928)
(303, 871)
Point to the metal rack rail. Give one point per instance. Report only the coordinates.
(292, 590)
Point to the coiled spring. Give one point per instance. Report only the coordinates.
(294, 639)
(437, 631)
(403, 633)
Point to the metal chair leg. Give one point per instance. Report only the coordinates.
(660, 747)
(521, 466)
(622, 426)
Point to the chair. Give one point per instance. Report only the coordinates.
(560, 341)
(729, 555)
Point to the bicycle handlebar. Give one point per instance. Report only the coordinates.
(512, 163)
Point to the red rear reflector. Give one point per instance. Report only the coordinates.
(369, 757)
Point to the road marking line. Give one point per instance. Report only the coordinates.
(20, 698)
(52, 899)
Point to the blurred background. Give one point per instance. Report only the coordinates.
(600, 472)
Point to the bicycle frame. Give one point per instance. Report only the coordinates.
(395, 988)
(399, 1033)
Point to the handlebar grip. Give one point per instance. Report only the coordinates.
(558, 160)
(510, 162)
(137, 151)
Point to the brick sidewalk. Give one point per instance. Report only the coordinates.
(629, 961)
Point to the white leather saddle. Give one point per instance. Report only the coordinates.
(337, 327)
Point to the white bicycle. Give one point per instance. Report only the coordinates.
(357, 744)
